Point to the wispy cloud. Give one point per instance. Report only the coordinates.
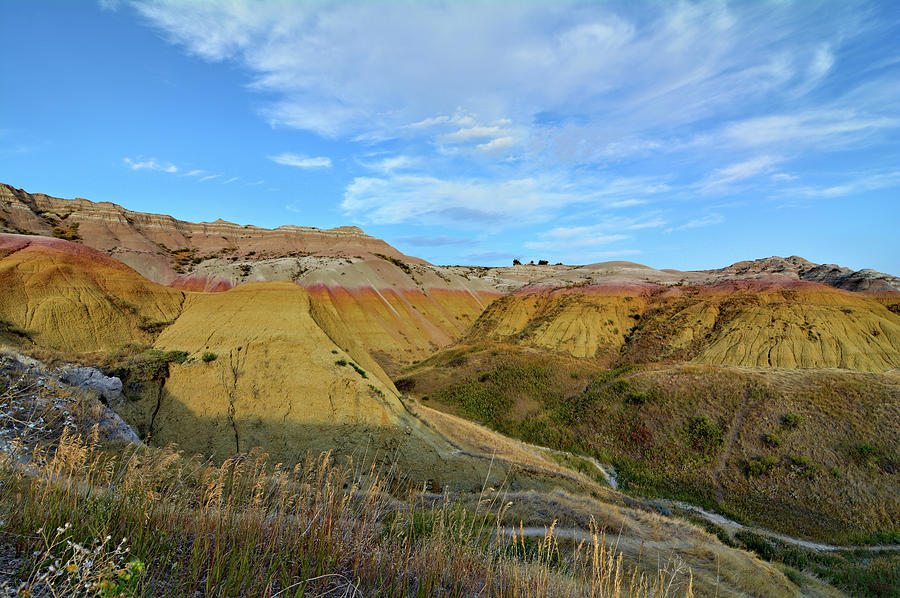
(390, 164)
(437, 241)
(708, 220)
(540, 113)
(150, 164)
(301, 161)
(740, 171)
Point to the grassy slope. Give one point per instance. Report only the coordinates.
(830, 473)
(828, 476)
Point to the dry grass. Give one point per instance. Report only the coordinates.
(158, 524)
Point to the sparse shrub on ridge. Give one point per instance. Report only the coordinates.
(771, 439)
(759, 466)
(790, 421)
(704, 436)
(209, 356)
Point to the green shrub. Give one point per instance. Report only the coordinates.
(359, 370)
(796, 577)
(760, 466)
(14, 330)
(704, 435)
(756, 543)
(771, 439)
(863, 452)
(209, 356)
(639, 398)
(791, 421)
(341, 362)
(155, 327)
(150, 364)
(800, 461)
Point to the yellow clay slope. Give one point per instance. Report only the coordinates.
(805, 325)
(73, 298)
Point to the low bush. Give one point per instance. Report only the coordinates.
(771, 439)
(759, 466)
(704, 436)
(791, 421)
(209, 356)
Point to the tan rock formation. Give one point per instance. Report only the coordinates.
(768, 323)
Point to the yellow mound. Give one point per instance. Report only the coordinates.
(75, 299)
(805, 326)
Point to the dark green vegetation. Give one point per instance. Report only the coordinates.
(399, 263)
(359, 370)
(143, 364)
(13, 334)
(805, 452)
(859, 573)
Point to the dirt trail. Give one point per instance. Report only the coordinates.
(728, 524)
(733, 430)
(578, 535)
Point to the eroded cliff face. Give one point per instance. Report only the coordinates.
(400, 307)
(162, 248)
(283, 369)
(75, 299)
(759, 322)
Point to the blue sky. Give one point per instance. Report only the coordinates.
(675, 134)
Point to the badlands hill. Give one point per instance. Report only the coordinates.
(766, 390)
(282, 372)
(400, 307)
(757, 322)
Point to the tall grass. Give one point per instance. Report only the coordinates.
(147, 522)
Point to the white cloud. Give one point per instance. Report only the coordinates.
(427, 199)
(194, 173)
(681, 63)
(437, 241)
(708, 220)
(498, 144)
(231, 180)
(740, 171)
(151, 164)
(301, 161)
(816, 127)
(568, 239)
(860, 183)
(391, 164)
(470, 133)
(781, 177)
(210, 177)
(480, 202)
(109, 4)
(544, 110)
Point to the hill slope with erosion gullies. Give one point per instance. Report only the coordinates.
(808, 452)
(265, 364)
(759, 322)
(402, 308)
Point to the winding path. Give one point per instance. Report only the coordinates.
(721, 520)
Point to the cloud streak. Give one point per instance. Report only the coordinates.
(301, 161)
(150, 164)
